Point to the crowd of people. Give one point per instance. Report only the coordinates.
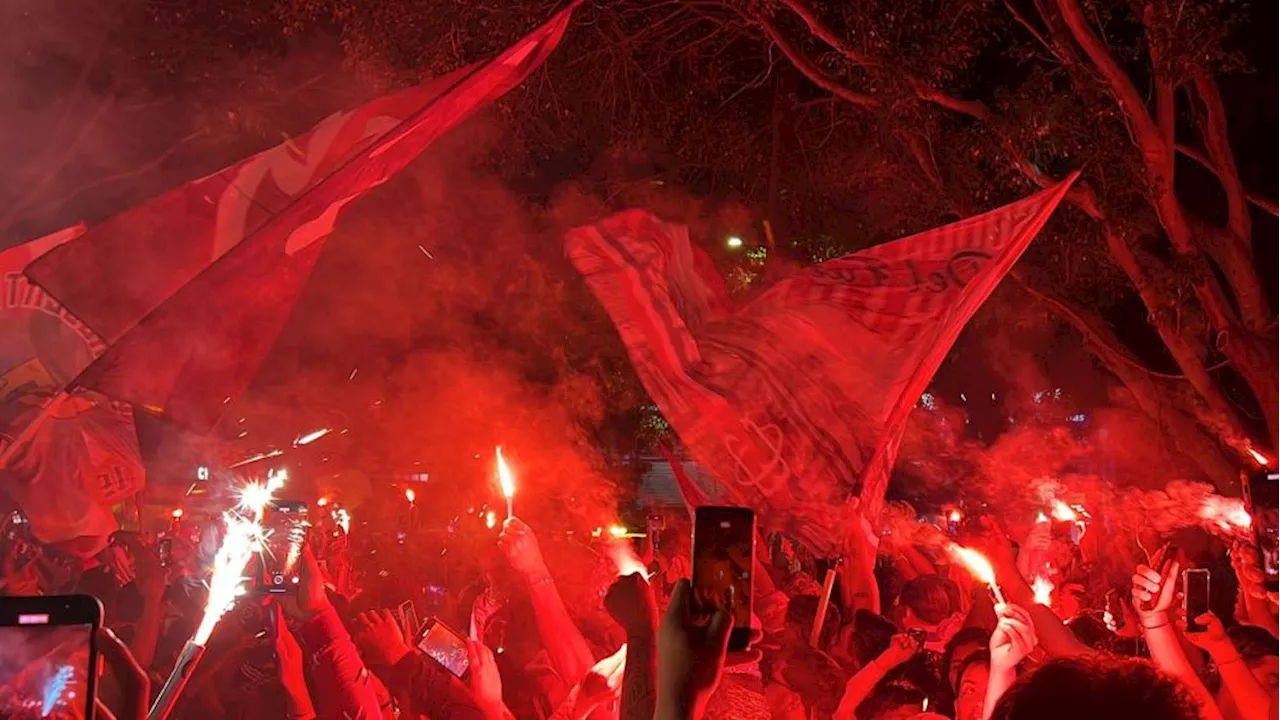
(907, 632)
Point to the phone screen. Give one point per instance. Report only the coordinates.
(1263, 494)
(286, 527)
(445, 646)
(723, 558)
(1195, 588)
(46, 651)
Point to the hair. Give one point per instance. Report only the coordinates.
(1092, 631)
(802, 610)
(871, 635)
(886, 698)
(978, 635)
(929, 597)
(1253, 642)
(982, 657)
(1096, 686)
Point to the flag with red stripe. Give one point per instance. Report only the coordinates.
(797, 400)
(191, 289)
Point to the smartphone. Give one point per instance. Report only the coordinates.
(1262, 496)
(409, 623)
(444, 645)
(1195, 596)
(164, 551)
(919, 636)
(1114, 608)
(723, 558)
(48, 649)
(285, 524)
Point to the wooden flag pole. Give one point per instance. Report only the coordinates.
(30, 430)
(828, 584)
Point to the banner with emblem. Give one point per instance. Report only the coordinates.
(191, 289)
(84, 457)
(796, 401)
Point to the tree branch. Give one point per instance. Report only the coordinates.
(1114, 75)
(1258, 200)
(812, 71)
(922, 90)
(1188, 436)
(1213, 129)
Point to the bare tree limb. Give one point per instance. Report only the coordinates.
(1213, 129)
(825, 34)
(814, 73)
(1146, 387)
(1258, 200)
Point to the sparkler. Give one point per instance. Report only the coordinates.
(54, 690)
(257, 458)
(980, 567)
(311, 437)
(410, 495)
(507, 480)
(243, 538)
(490, 520)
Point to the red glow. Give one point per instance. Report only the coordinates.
(177, 513)
(1259, 458)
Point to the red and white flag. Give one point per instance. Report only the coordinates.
(797, 400)
(191, 289)
(83, 458)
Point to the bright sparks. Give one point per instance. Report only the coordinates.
(617, 531)
(257, 458)
(1063, 512)
(1259, 458)
(490, 520)
(322, 502)
(1042, 588)
(254, 499)
(311, 437)
(343, 518)
(410, 495)
(242, 540)
(954, 516)
(177, 513)
(733, 241)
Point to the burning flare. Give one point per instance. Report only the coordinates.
(506, 479)
(1063, 512)
(410, 495)
(625, 559)
(1259, 458)
(980, 567)
(1227, 514)
(1042, 588)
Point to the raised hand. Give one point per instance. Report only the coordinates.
(691, 656)
(902, 647)
(630, 602)
(520, 546)
(1013, 639)
(379, 637)
(1154, 592)
(484, 680)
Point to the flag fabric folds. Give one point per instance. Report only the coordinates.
(83, 458)
(191, 289)
(796, 401)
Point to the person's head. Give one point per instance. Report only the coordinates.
(892, 702)
(1068, 600)
(1097, 687)
(801, 612)
(960, 648)
(926, 601)
(971, 686)
(1092, 631)
(870, 637)
(1258, 647)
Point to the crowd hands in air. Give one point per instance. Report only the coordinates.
(907, 635)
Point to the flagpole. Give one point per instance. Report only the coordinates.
(30, 430)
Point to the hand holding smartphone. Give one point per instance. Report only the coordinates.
(444, 645)
(48, 650)
(287, 527)
(723, 562)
